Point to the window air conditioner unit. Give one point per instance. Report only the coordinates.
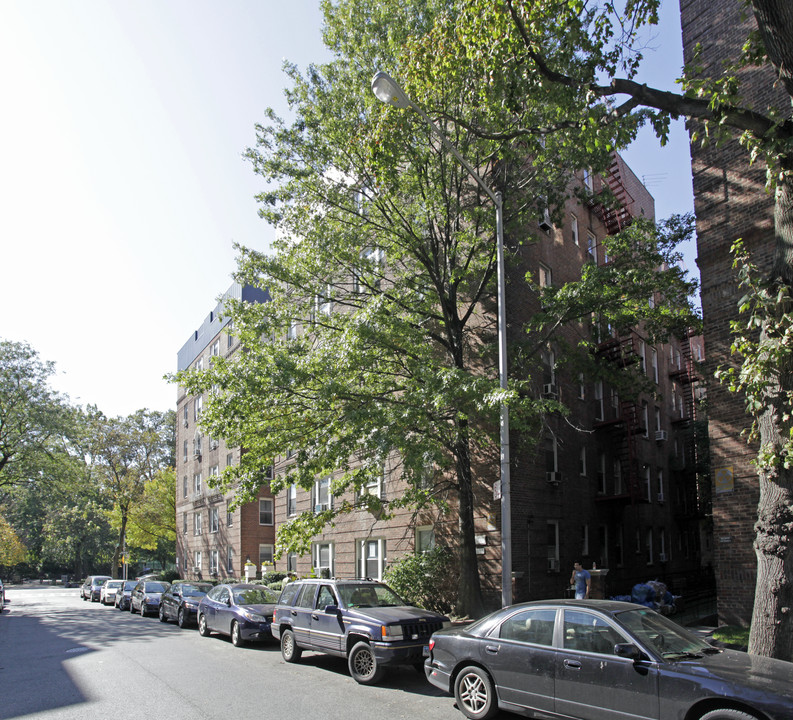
(660, 435)
(320, 507)
(550, 389)
(554, 478)
(662, 557)
(186, 423)
(545, 220)
(553, 565)
(196, 570)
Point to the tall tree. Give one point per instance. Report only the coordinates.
(32, 415)
(379, 340)
(582, 58)
(152, 522)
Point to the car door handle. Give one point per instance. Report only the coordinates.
(293, 613)
(572, 664)
(315, 617)
(492, 649)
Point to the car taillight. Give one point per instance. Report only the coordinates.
(431, 644)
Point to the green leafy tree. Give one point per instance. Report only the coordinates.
(581, 59)
(12, 551)
(151, 524)
(32, 415)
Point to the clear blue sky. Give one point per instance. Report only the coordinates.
(123, 185)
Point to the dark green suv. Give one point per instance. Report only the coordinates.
(364, 621)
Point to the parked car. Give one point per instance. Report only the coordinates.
(107, 595)
(145, 597)
(242, 611)
(92, 587)
(2, 596)
(124, 593)
(601, 659)
(364, 621)
(180, 602)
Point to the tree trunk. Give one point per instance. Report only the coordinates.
(122, 533)
(469, 591)
(772, 622)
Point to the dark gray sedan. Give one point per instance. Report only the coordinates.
(599, 660)
(243, 612)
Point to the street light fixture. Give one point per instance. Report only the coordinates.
(387, 90)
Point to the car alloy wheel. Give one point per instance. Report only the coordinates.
(236, 634)
(203, 630)
(181, 618)
(363, 664)
(727, 714)
(474, 693)
(289, 649)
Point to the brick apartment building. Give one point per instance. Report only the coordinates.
(730, 203)
(615, 484)
(213, 540)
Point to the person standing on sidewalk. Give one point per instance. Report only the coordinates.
(581, 580)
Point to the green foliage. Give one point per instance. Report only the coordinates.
(732, 635)
(12, 551)
(427, 579)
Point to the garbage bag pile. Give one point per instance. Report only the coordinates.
(652, 594)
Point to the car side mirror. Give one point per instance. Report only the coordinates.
(331, 609)
(627, 650)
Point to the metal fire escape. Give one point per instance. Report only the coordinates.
(617, 216)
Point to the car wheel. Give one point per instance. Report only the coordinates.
(143, 610)
(289, 649)
(474, 693)
(162, 614)
(181, 618)
(203, 628)
(236, 634)
(363, 664)
(727, 714)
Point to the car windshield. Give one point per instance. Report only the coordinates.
(113, 583)
(664, 636)
(363, 595)
(155, 587)
(195, 590)
(254, 596)
(130, 584)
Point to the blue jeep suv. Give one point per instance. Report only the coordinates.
(364, 621)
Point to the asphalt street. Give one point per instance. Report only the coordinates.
(63, 658)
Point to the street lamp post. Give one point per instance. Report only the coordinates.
(388, 91)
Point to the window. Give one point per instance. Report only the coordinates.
(548, 359)
(371, 558)
(197, 445)
(643, 356)
(197, 523)
(620, 545)
(214, 351)
(374, 483)
(213, 562)
(291, 562)
(581, 387)
(599, 415)
(265, 511)
(654, 363)
(184, 451)
(230, 336)
(325, 301)
(582, 461)
(230, 560)
(265, 554)
(662, 556)
(574, 228)
(530, 626)
(197, 490)
(322, 558)
(229, 459)
(291, 333)
(661, 495)
(198, 406)
(615, 399)
(197, 560)
(645, 419)
(648, 488)
(229, 514)
(322, 499)
(585, 540)
(184, 486)
(550, 454)
(214, 520)
(552, 543)
(601, 473)
(657, 419)
(214, 472)
(591, 247)
(589, 633)
(589, 181)
(291, 500)
(213, 443)
(650, 546)
(425, 539)
(618, 488)
(185, 414)
(184, 523)
(545, 277)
